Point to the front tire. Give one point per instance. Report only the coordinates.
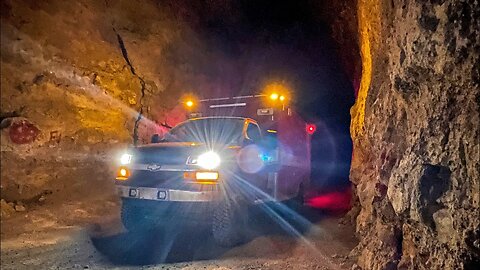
(133, 218)
(229, 222)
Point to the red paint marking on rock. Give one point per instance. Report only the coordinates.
(23, 132)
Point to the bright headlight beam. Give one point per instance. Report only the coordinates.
(209, 160)
(126, 159)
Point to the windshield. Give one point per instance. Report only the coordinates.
(208, 130)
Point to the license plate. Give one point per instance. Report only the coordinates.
(144, 193)
(152, 194)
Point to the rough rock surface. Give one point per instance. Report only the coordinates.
(79, 73)
(6, 209)
(415, 127)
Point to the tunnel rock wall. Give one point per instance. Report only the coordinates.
(78, 73)
(415, 127)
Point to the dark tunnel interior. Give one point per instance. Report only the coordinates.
(289, 41)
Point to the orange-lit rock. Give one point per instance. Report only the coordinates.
(64, 69)
(415, 127)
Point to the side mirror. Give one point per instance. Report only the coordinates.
(155, 138)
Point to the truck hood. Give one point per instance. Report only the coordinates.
(168, 152)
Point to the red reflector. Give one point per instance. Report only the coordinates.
(311, 128)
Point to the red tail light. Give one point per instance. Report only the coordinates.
(311, 128)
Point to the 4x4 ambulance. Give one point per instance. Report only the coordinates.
(231, 153)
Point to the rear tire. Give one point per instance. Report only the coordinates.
(229, 222)
(295, 215)
(300, 198)
(296, 203)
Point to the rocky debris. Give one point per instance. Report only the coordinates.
(20, 208)
(6, 209)
(9, 208)
(355, 267)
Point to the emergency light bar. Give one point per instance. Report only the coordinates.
(228, 105)
(227, 98)
(260, 107)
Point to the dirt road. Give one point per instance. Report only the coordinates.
(89, 235)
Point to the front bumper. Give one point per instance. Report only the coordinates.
(169, 195)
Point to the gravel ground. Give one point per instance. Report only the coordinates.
(89, 235)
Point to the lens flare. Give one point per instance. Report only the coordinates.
(209, 160)
(250, 159)
(278, 212)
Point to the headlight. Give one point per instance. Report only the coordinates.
(209, 160)
(126, 159)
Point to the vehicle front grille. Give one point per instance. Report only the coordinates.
(161, 179)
